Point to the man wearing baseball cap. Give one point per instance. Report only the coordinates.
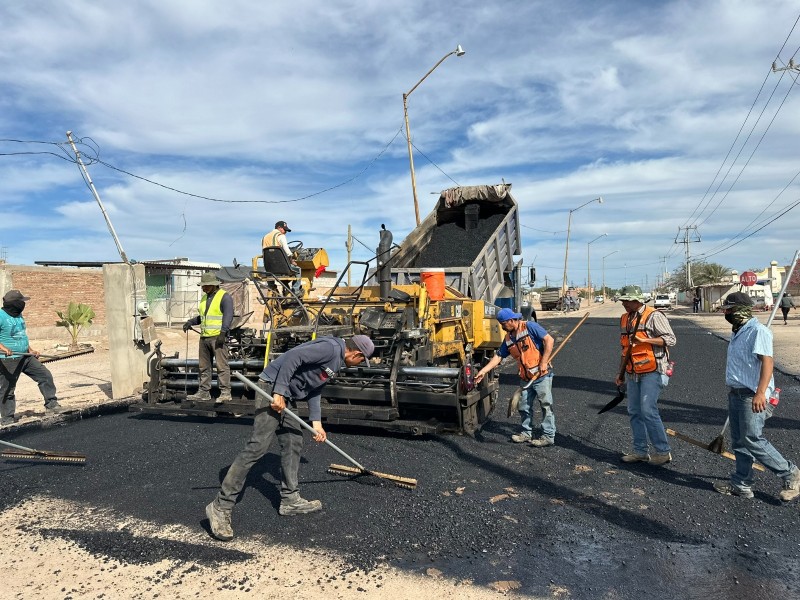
(17, 357)
(298, 374)
(748, 373)
(277, 237)
(531, 345)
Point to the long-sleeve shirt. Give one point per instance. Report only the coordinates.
(276, 238)
(226, 305)
(303, 371)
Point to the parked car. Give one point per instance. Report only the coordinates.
(598, 299)
(662, 301)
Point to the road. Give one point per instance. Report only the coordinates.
(564, 521)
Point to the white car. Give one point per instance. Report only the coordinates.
(598, 298)
(662, 301)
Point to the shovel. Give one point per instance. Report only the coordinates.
(513, 404)
(700, 444)
(404, 482)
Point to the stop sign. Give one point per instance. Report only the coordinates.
(748, 278)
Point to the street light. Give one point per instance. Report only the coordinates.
(459, 51)
(588, 271)
(604, 273)
(599, 200)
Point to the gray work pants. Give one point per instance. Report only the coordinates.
(267, 425)
(206, 353)
(11, 369)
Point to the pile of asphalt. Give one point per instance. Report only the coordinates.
(451, 245)
(569, 516)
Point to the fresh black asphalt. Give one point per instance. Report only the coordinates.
(570, 515)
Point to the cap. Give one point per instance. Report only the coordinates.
(737, 299)
(209, 278)
(631, 293)
(12, 295)
(506, 314)
(282, 225)
(364, 345)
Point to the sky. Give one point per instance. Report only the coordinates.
(214, 120)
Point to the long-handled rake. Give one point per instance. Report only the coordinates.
(23, 453)
(357, 469)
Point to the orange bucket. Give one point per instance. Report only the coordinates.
(433, 280)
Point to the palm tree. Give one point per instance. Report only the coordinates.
(712, 273)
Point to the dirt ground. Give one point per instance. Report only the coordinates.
(46, 566)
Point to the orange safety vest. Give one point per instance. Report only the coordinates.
(643, 357)
(525, 351)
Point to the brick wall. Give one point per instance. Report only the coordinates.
(53, 288)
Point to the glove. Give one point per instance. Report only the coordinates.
(219, 342)
(187, 326)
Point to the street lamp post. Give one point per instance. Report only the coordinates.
(599, 200)
(604, 273)
(459, 51)
(588, 270)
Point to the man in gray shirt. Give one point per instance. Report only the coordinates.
(300, 373)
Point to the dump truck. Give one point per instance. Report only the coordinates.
(428, 343)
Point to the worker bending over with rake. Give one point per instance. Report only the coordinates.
(300, 373)
(748, 372)
(645, 335)
(531, 345)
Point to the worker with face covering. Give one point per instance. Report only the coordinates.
(748, 374)
(14, 344)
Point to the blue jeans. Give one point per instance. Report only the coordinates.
(643, 411)
(749, 443)
(541, 390)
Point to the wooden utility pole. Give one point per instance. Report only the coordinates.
(349, 245)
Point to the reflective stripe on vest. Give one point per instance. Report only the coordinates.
(211, 318)
(525, 351)
(643, 358)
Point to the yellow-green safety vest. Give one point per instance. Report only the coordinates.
(211, 316)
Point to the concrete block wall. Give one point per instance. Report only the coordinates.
(52, 289)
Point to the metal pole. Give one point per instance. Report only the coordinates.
(783, 288)
(459, 52)
(349, 245)
(604, 273)
(97, 197)
(566, 257)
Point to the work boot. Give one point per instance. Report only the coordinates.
(300, 506)
(54, 407)
(226, 397)
(7, 420)
(728, 489)
(199, 397)
(660, 459)
(220, 523)
(632, 457)
(542, 441)
(791, 487)
(520, 438)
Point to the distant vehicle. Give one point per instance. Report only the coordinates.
(647, 296)
(616, 297)
(598, 299)
(662, 301)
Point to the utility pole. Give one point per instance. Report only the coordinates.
(688, 239)
(122, 254)
(349, 246)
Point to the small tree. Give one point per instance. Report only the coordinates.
(74, 319)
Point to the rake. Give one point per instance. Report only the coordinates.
(357, 469)
(23, 453)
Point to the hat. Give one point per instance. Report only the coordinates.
(364, 345)
(737, 299)
(282, 225)
(631, 293)
(12, 295)
(506, 314)
(209, 278)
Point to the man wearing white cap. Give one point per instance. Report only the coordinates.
(531, 345)
(215, 318)
(14, 346)
(300, 373)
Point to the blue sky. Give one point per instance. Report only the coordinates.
(637, 102)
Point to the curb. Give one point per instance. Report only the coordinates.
(48, 421)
